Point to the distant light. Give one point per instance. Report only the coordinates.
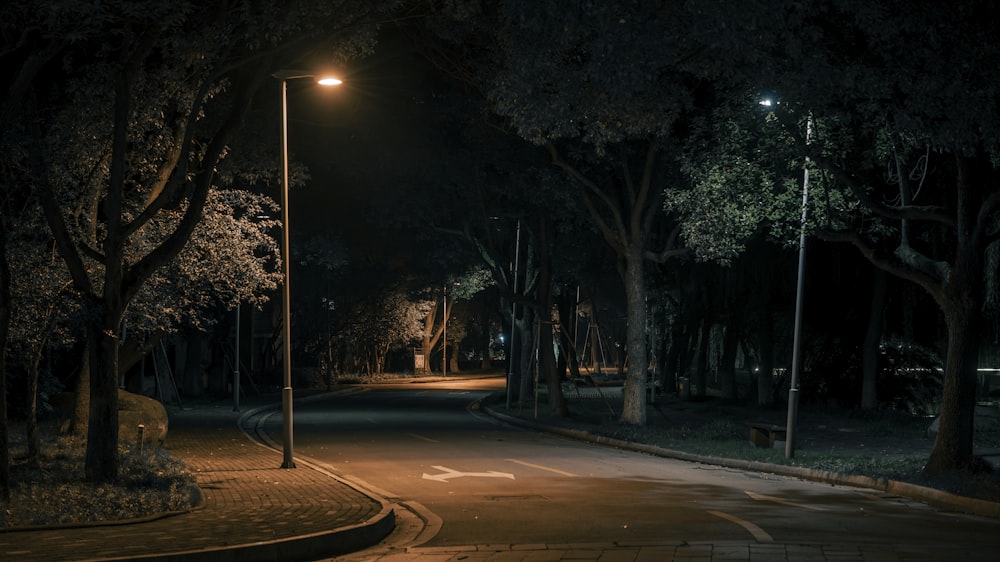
(329, 81)
(766, 102)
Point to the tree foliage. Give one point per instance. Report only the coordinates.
(125, 111)
(909, 155)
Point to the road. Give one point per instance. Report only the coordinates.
(479, 486)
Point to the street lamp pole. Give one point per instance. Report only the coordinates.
(444, 339)
(793, 389)
(513, 312)
(286, 305)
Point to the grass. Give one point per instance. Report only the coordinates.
(51, 489)
(885, 445)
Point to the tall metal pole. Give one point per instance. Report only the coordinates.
(444, 340)
(513, 310)
(236, 364)
(286, 303)
(793, 389)
(286, 313)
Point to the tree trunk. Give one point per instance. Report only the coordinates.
(34, 440)
(429, 339)
(765, 378)
(567, 310)
(453, 357)
(700, 378)
(962, 302)
(484, 324)
(81, 399)
(676, 362)
(873, 337)
(4, 332)
(634, 393)
(518, 346)
(526, 355)
(546, 344)
(727, 363)
(192, 375)
(102, 462)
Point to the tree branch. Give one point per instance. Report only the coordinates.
(928, 213)
(175, 242)
(929, 281)
(616, 237)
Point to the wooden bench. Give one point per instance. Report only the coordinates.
(766, 434)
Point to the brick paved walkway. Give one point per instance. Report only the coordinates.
(252, 509)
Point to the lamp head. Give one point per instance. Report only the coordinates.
(321, 79)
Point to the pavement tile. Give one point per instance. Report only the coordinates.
(247, 499)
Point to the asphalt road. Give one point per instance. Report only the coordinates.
(479, 482)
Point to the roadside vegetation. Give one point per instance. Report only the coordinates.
(51, 489)
(882, 445)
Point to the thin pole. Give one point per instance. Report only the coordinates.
(236, 364)
(513, 310)
(444, 346)
(286, 313)
(793, 389)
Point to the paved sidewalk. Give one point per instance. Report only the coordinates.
(251, 508)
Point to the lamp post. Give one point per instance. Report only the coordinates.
(444, 339)
(513, 312)
(286, 310)
(793, 388)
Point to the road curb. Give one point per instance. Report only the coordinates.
(931, 496)
(304, 547)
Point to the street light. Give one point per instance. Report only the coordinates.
(286, 309)
(793, 388)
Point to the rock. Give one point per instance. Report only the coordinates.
(135, 409)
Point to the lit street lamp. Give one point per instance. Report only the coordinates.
(286, 314)
(793, 387)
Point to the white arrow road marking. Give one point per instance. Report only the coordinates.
(449, 473)
(762, 497)
(758, 533)
(540, 467)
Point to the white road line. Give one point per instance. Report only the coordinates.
(762, 497)
(540, 467)
(421, 437)
(758, 533)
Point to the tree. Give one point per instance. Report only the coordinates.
(4, 328)
(178, 78)
(909, 155)
(607, 91)
(388, 320)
